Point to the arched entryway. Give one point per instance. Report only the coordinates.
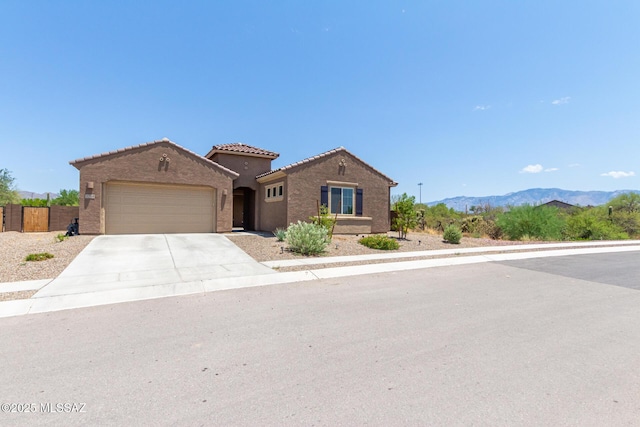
(244, 208)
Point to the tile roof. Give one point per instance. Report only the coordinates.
(239, 147)
(320, 156)
(147, 144)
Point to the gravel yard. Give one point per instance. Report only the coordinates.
(265, 247)
(16, 246)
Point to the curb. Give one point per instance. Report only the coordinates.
(91, 299)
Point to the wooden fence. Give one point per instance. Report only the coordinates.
(35, 219)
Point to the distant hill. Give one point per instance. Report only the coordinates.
(534, 196)
(32, 195)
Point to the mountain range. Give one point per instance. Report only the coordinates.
(32, 195)
(533, 196)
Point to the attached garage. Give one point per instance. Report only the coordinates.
(134, 208)
(154, 188)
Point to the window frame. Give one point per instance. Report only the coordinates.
(341, 204)
(274, 192)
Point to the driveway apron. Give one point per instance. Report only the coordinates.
(130, 261)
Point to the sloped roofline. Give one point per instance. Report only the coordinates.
(242, 149)
(312, 159)
(76, 163)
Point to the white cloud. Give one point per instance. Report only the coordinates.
(551, 169)
(618, 174)
(564, 100)
(481, 107)
(532, 169)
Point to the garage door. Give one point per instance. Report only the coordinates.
(152, 208)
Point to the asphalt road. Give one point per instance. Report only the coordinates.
(531, 342)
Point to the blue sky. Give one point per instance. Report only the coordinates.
(470, 98)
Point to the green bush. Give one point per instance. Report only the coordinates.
(439, 216)
(379, 241)
(536, 222)
(61, 237)
(307, 239)
(594, 224)
(280, 234)
(452, 234)
(38, 257)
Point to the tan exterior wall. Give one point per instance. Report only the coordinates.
(304, 184)
(143, 164)
(61, 216)
(247, 166)
(273, 214)
(357, 225)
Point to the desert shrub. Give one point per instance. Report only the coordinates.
(452, 234)
(627, 202)
(307, 238)
(39, 256)
(280, 234)
(471, 224)
(489, 228)
(379, 241)
(625, 212)
(536, 222)
(61, 237)
(325, 219)
(594, 224)
(629, 222)
(439, 216)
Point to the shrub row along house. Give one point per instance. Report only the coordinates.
(161, 187)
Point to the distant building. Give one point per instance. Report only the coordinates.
(558, 204)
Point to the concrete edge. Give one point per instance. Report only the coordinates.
(66, 302)
(25, 285)
(441, 252)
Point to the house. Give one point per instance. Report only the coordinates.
(559, 204)
(161, 187)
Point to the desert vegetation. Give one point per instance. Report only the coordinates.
(616, 220)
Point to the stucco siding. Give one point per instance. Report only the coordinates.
(273, 214)
(305, 181)
(247, 166)
(143, 165)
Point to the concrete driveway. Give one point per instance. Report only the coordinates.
(111, 263)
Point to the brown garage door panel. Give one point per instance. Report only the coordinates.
(142, 208)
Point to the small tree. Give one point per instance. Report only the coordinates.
(36, 203)
(406, 217)
(324, 219)
(8, 192)
(67, 198)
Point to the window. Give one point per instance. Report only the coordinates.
(341, 200)
(274, 192)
